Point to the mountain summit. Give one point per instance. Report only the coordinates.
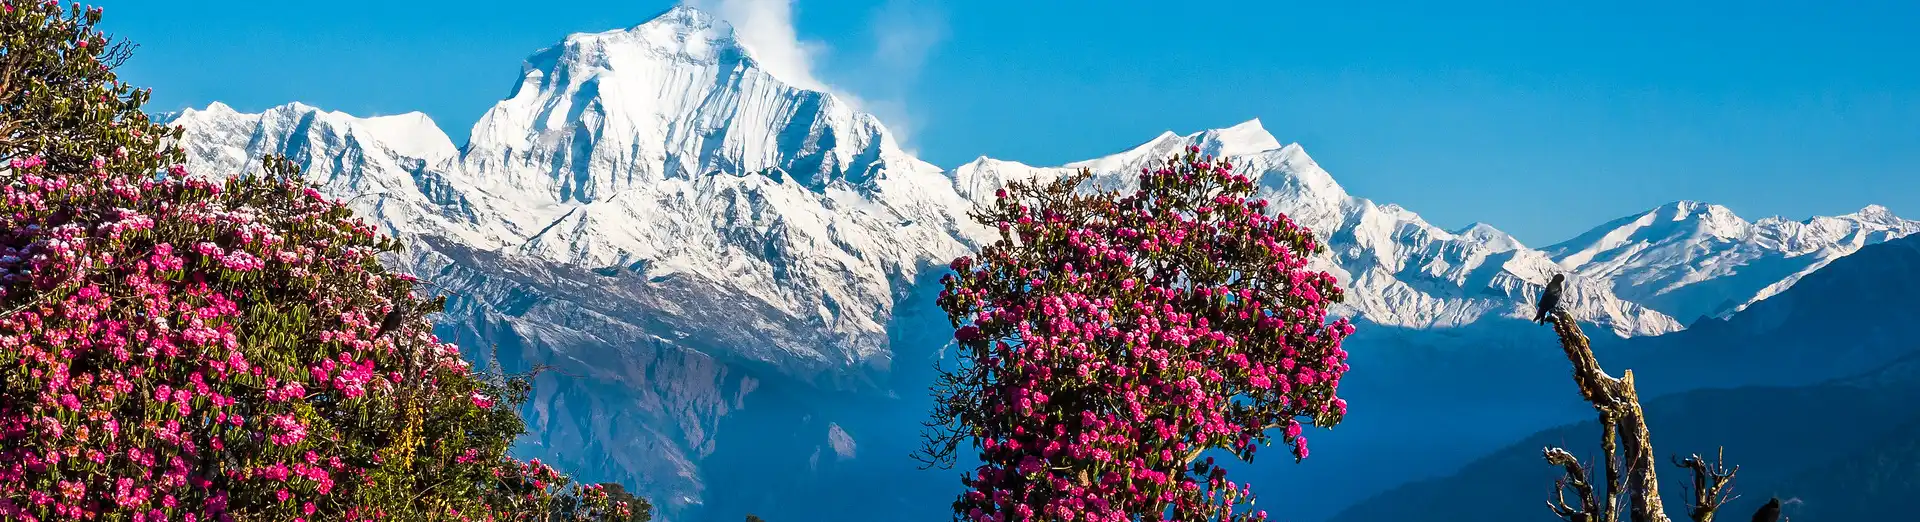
(678, 97)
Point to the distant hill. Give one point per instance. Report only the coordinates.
(1847, 449)
(1765, 384)
(1850, 317)
(1877, 482)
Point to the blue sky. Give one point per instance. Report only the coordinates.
(1543, 121)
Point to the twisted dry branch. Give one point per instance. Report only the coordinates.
(1621, 420)
(1711, 485)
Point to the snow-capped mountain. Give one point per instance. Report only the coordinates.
(387, 167)
(1399, 269)
(1781, 354)
(682, 231)
(1690, 260)
(667, 149)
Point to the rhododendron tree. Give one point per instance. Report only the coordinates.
(59, 98)
(1107, 339)
(638, 509)
(179, 349)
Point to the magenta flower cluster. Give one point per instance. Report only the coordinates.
(178, 349)
(1108, 339)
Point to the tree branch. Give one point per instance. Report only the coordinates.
(1710, 485)
(1619, 406)
(1576, 479)
(1609, 437)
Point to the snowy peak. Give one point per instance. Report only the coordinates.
(1493, 238)
(1704, 219)
(1693, 260)
(1399, 269)
(693, 35)
(1680, 222)
(1304, 182)
(386, 167)
(674, 98)
(1874, 215)
(412, 134)
(1246, 138)
(683, 31)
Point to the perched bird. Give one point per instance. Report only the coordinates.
(392, 322)
(1769, 512)
(1549, 299)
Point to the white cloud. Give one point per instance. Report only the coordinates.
(766, 28)
(904, 34)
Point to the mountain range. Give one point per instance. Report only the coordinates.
(1757, 386)
(730, 274)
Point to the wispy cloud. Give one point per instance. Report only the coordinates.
(905, 32)
(766, 27)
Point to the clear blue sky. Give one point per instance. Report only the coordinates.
(1543, 121)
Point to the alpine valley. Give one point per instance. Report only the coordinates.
(732, 278)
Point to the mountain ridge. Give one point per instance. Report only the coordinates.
(1682, 258)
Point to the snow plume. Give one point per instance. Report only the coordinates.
(766, 28)
(904, 35)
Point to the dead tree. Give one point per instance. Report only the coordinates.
(1622, 423)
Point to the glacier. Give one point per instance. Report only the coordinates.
(707, 252)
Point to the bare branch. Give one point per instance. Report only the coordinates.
(1609, 438)
(1576, 480)
(1711, 485)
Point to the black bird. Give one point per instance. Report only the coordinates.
(392, 322)
(1769, 512)
(1549, 299)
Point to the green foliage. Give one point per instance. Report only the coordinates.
(641, 510)
(60, 99)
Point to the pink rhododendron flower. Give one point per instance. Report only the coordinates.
(1183, 307)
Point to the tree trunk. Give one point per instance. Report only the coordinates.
(1619, 407)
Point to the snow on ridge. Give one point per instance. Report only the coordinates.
(674, 98)
(412, 134)
(350, 159)
(664, 148)
(1399, 269)
(1691, 259)
(1248, 137)
(1488, 235)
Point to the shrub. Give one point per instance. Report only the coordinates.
(1107, 339)
(173, 348)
